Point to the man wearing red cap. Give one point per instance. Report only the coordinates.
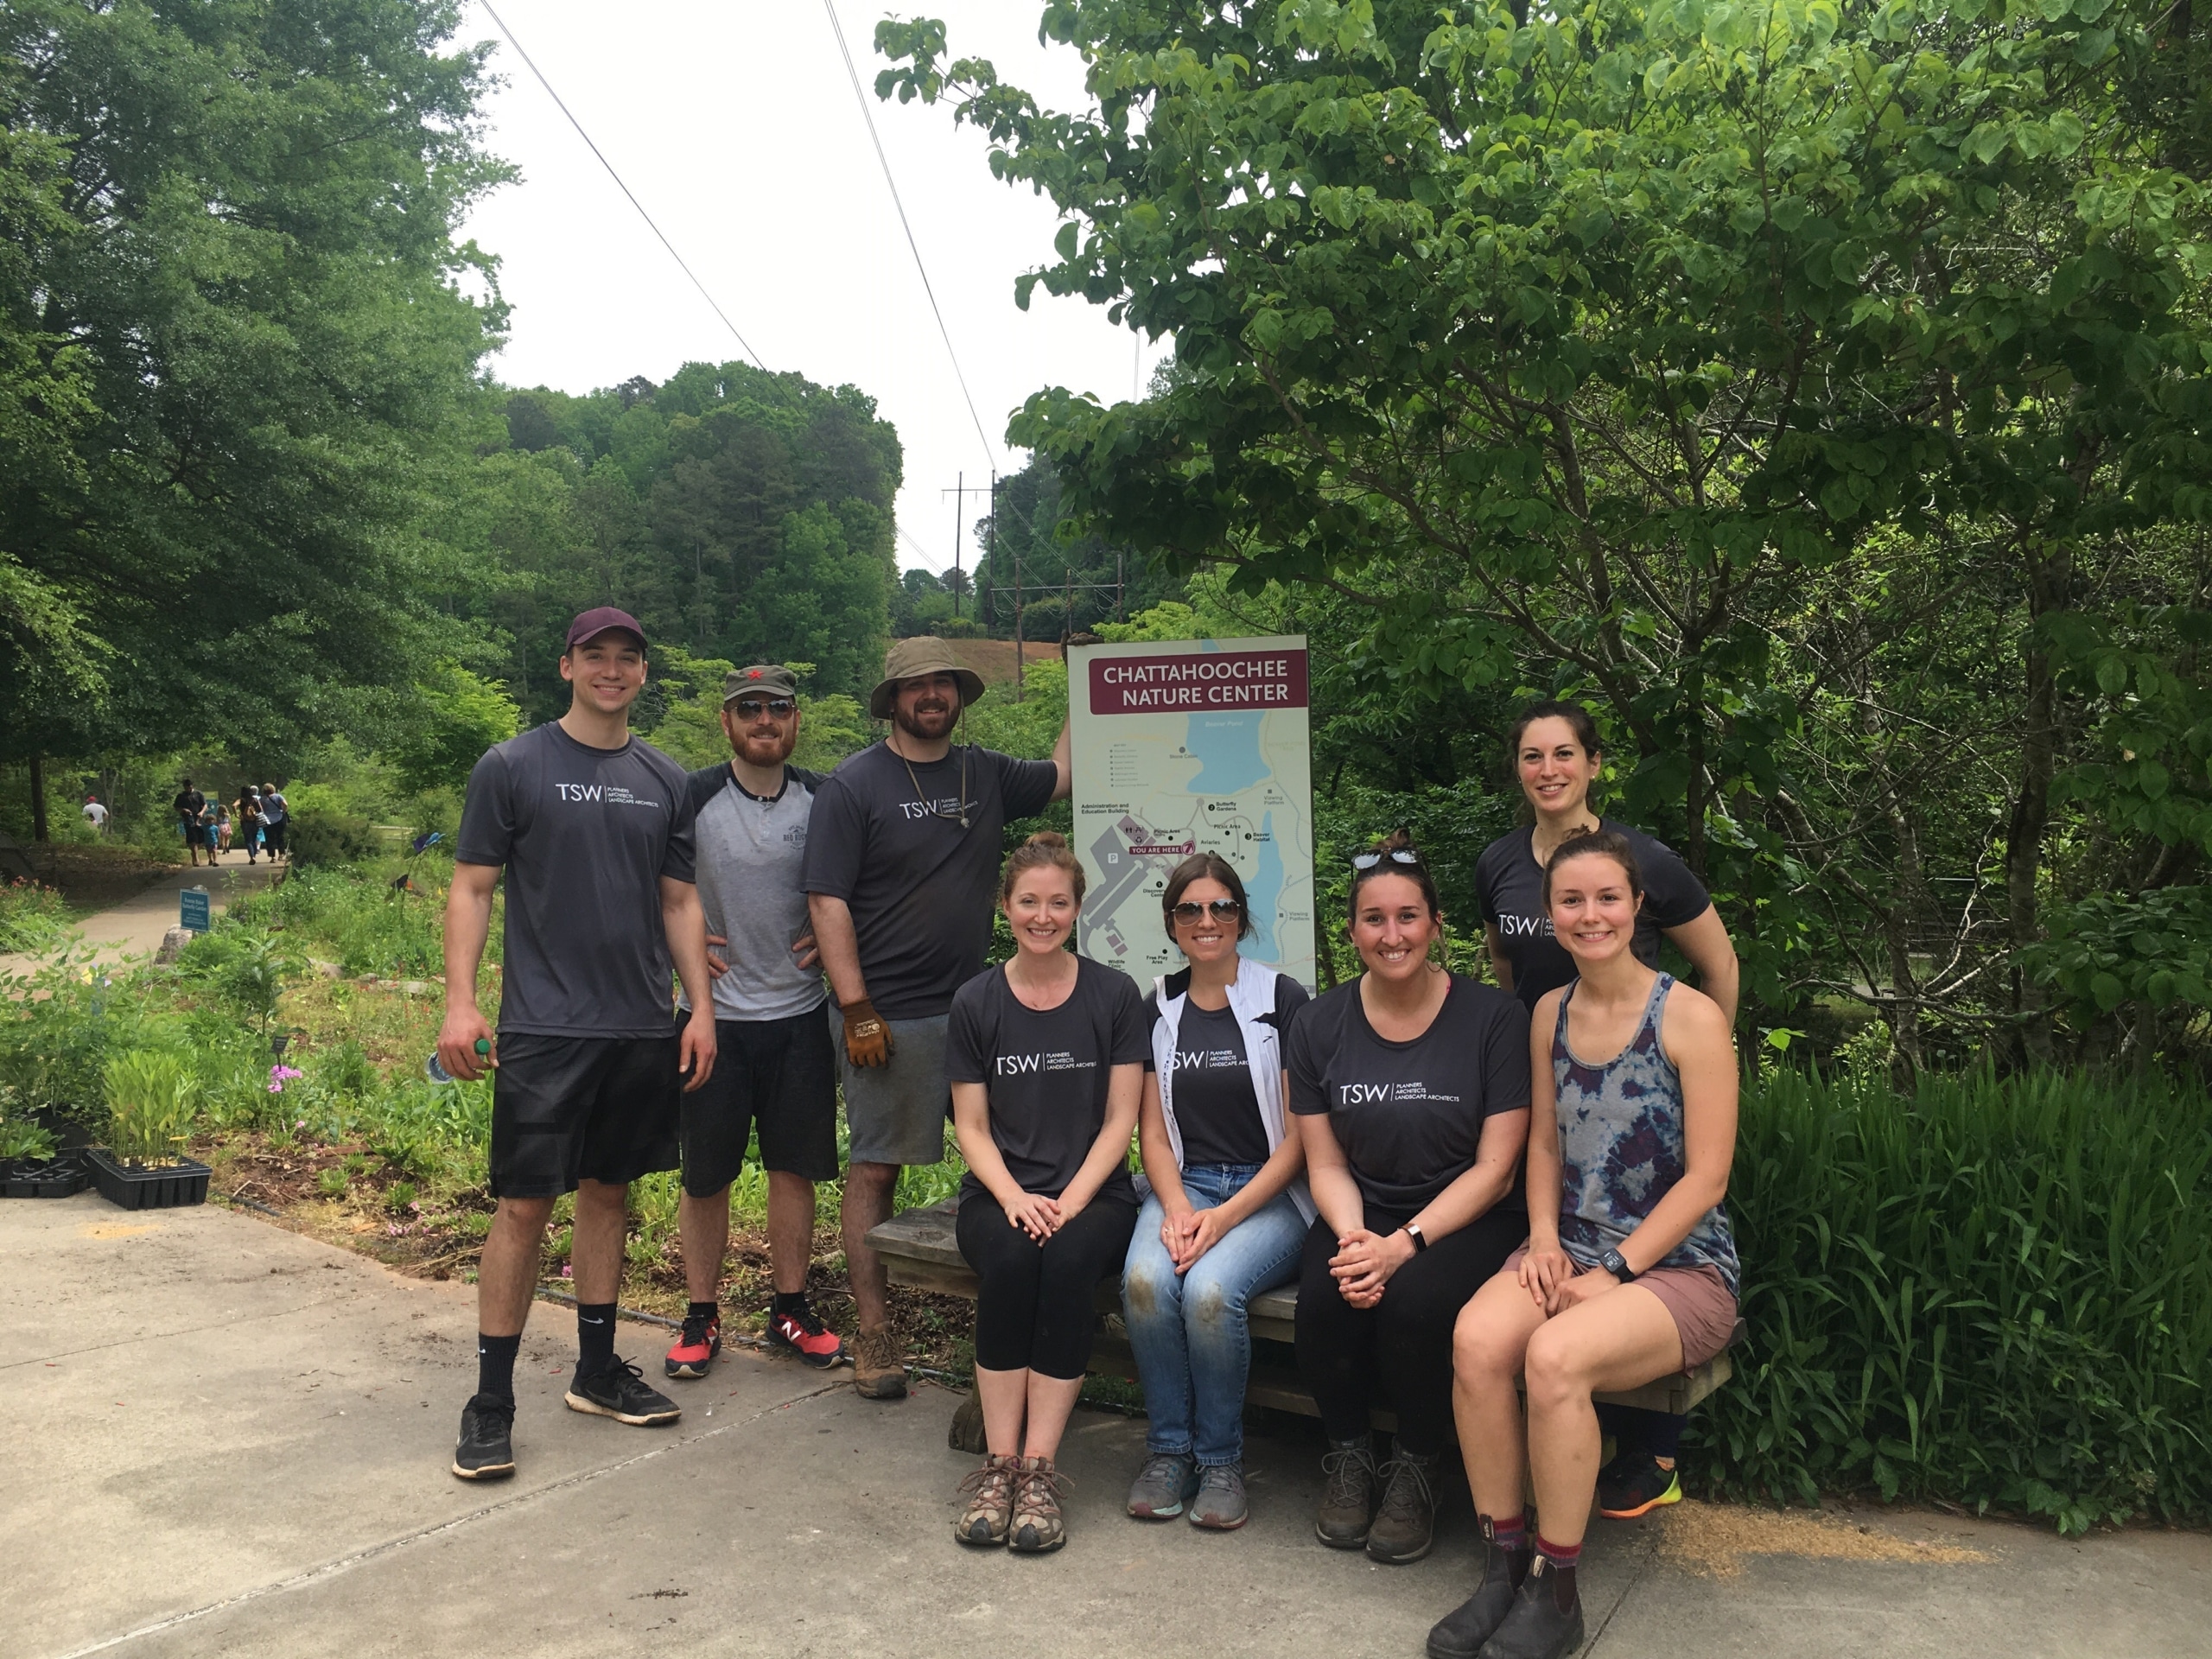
(593, 829)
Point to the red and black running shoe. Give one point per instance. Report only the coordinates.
(800, 1331)
(696, 1349)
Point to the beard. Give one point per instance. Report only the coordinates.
(770, 749)
(929, 719)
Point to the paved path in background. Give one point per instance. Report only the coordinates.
(135, 928)
(224, 1438)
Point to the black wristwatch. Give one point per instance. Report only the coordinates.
(1613, 1262)
(1412, 1229)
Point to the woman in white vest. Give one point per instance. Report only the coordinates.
(1227, 1211)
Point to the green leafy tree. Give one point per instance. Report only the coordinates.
(455, 716)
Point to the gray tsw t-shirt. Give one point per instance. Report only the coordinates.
(919, 885)
(750, 850)
(586, 835)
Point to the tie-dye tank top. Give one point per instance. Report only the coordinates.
(1620, 1140)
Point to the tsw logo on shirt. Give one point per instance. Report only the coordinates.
(1206, 1059)
(1525, 927)
(608, 794)
(916, 810)
(1014, 1066)
(1376, 1094)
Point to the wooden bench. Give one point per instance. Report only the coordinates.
(920, 1252)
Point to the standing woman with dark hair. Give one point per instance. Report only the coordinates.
(1045, 1056)
(1411, 1087)
(1630, 1271)
(1228, 1212)
(1557, 756)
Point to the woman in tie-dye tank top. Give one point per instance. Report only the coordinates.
(1630, 1273)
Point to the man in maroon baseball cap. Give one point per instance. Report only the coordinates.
(593, 828)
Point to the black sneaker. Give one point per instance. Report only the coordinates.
(486, 1451)
(1634, 1484)
(621, 1392)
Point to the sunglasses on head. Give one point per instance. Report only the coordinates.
(752, 708)
(1224, 909)
(1397, 856)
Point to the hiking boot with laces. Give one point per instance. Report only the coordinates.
(486, 1451)
(989, 1492)
(1162, 1487)
(696, 1349)
(1347, 1508)
(621, 1392)
(880, 1369)
(1461, 1632)
(1405, 1526)
(1036, 1526)
(800, 1330)
(1636, 1483)
(1219, 1506)
(1539, 1627)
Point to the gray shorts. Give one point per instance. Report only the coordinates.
(896, 1113)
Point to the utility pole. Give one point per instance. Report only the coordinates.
(1118, 578)
(959, 494)
(1021, 663)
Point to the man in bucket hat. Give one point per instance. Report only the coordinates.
(902, 858)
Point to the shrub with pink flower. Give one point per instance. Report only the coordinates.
(280, 1075)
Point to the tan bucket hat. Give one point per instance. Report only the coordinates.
(909, 659)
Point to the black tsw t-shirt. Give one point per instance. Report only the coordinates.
(1409, 1115)
(1510, 885)
(889, 842)
(586, 835)
(1047, 1072)
(1217, 1108)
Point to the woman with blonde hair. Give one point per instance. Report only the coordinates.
(1045, 1056)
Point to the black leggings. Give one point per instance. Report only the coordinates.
(1034, 1311)
(1404, 1341)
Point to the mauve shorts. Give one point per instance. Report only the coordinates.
(1697, 1298)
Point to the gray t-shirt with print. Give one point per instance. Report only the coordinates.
(750, 850)
(586, 835)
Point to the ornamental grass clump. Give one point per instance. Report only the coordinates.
(150, 1095)
(1992, 1292)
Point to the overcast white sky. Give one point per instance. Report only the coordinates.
(735, 124)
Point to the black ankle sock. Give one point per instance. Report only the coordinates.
(788, 1301)
(495, 1364)
(702, 1310)
(594, 1338)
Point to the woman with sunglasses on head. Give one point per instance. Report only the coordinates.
(1411, 1088)
(1228, 1212)
(1629, 1274)
(1046, 1058)
(1557, 757)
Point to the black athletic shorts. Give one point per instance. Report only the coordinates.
(570, 1109)
(779, 1074)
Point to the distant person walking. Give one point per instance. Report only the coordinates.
(902, 857)
(276, 812)
(249, 821)
(211, 829)
(775, 1070)
(188, 806)
(223, 825)
(96, 815)
(592, 828)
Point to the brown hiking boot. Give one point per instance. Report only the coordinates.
(1347, 1510)
(879, 1367)
(1036, 1526)
(990, 1492)
(1406, 1524)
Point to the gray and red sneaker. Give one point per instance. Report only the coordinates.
(805, 1335)
(696, 1349)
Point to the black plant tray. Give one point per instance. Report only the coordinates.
(167, 1187)
(49, 1178)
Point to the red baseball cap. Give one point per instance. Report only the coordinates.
(605, 619)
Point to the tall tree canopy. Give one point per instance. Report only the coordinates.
(235, 358)
(1825, 390)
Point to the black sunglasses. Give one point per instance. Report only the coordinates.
(1397, 856)
(1224, 909)
(751, 707)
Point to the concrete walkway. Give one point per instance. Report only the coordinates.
(226, 1438)
(136, 927)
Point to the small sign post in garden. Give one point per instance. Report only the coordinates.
(191, 910)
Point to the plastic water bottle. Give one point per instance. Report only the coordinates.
(437, 1073)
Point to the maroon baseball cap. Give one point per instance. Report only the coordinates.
(593, 623)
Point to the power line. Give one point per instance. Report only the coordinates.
(634, 202)
(868, 116)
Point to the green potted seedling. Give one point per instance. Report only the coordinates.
(151, 1097)
(29, 1168)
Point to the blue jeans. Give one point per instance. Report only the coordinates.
(1191, 1337)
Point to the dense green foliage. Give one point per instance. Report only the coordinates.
(1996, 1293)
(1824, 392)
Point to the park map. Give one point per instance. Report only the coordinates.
(1192, 745)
